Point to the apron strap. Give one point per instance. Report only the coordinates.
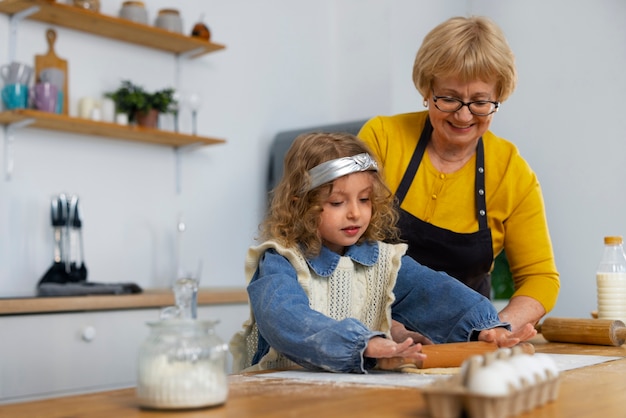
(479, 188)
(416, 159)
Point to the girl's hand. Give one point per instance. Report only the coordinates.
(379, 347)
(399, 333)
(395, 356)
(505, 338)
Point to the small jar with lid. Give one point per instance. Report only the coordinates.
(134, 11)
(170, 20)
(182, 365)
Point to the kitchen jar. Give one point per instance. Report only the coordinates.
(182, 364)
(134, 11)
(170, 20)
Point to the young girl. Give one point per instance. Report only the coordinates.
(324, 287)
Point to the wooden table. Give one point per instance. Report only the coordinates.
(595, 391)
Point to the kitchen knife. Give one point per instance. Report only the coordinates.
(78, 271)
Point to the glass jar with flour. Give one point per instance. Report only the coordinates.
(182, 365)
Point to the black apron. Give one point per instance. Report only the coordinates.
(467, 257)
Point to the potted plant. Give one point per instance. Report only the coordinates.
(142, 107)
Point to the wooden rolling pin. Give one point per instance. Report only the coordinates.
(583, 331)
(446, 355)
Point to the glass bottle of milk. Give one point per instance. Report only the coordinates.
(611, 280)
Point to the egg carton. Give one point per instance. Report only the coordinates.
(450, 398)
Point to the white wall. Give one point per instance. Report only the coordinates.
(291, 64)
(567, 119)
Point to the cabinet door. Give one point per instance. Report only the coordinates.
(54, 354)
(231, 319)
(58, 354)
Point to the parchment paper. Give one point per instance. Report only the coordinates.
(381, 378)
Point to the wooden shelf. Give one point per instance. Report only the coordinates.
(110, 27)
(63, 123)
(149, 298)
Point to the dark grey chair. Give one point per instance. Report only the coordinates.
(282, 142)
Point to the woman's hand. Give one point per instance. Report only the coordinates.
(522, 310)
(505, 338)
(399, 333)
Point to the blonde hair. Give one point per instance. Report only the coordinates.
(472, 48)
(293, 217)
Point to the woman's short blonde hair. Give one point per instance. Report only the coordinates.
(471, 48)
(293, 217)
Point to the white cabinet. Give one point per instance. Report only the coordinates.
(48, 355)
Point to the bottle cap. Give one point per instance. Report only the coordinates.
(613, 240)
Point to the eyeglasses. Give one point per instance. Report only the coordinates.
(452, 104)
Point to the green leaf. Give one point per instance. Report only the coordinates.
(502, 283)
(131, 99)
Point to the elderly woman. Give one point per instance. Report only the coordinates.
(466, 194)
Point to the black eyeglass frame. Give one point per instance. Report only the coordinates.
(461, 103)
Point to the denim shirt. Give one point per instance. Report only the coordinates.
(432, 303)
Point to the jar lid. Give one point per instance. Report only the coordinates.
(169, 12)
(186, 324)
(613, 240)
(133, 3)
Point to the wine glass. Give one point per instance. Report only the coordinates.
(194, 101)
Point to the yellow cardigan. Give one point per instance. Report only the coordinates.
(515, 207)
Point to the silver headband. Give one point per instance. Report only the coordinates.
(333, 169)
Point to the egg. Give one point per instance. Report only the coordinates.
(510, 375)
(525, 367)
(547, 365)
(470, 365)
(487, 381)
(495, 379)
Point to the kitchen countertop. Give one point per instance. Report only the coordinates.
(149, 298)
(594, 391)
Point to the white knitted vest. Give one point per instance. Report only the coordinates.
(352, 291)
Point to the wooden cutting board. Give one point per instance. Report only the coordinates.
(51, 60)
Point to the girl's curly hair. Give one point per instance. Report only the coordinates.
(294, 214)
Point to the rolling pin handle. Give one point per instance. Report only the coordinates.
(619, 332)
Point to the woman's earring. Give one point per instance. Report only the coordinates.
(425, 102)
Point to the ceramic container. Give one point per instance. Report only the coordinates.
(86, 106)
(170, 20)
(44, 97)
(134, 11)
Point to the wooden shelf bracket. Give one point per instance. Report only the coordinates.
(14, 22)
(9, 139)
